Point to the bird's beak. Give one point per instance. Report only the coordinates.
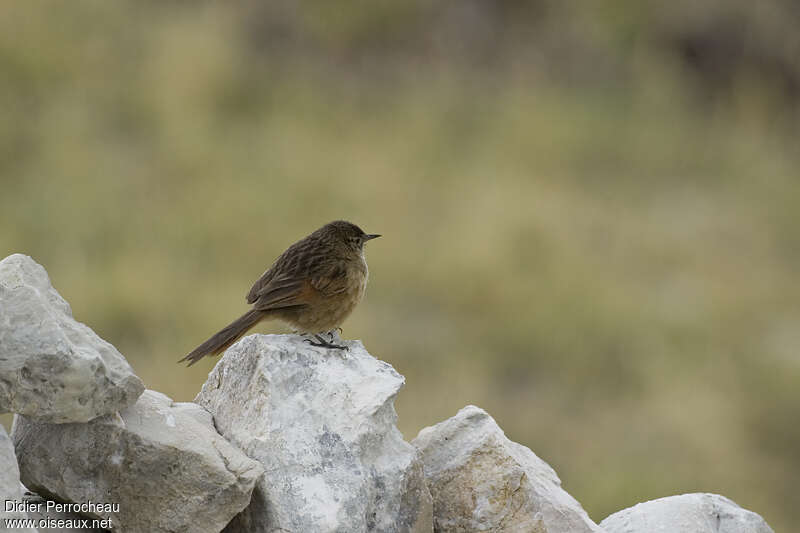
(370, 237)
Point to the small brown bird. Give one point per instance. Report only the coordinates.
(313, 286)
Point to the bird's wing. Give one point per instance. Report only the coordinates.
(289, 265)
(306, 271)
(282, 293)
(331, 280)
(260, 283)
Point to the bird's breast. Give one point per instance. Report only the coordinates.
(327, 313)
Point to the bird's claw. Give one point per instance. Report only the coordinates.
(322, 343)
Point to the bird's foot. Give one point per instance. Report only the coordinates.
(332, 335)
(322, 343)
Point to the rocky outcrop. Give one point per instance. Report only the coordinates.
(322, 422)
(687, 513)
(311, 436)
(10, 488)
(51, 366)
(482, 481)
(161, 462)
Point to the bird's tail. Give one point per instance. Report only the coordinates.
(227, 336)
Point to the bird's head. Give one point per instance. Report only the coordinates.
(348, 234)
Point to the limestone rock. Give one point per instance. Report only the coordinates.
(10, 488)
(687, 513)
(51, 366)
(162, 462)
(322, 422)
(482, 481)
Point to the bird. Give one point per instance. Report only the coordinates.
(313, 286)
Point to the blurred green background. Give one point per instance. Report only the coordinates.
(590, 210)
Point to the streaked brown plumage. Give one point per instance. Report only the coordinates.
(313, 286)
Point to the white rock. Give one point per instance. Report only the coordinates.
(163, 463)
(687, 513)
(51, 366)
(322, 422)
(482, 481)
(10, 488)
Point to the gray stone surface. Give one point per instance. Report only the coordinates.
(323, 424)
(51, 366)
(687, 513)
(10, 488)
(162, 462)
(482, 481)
